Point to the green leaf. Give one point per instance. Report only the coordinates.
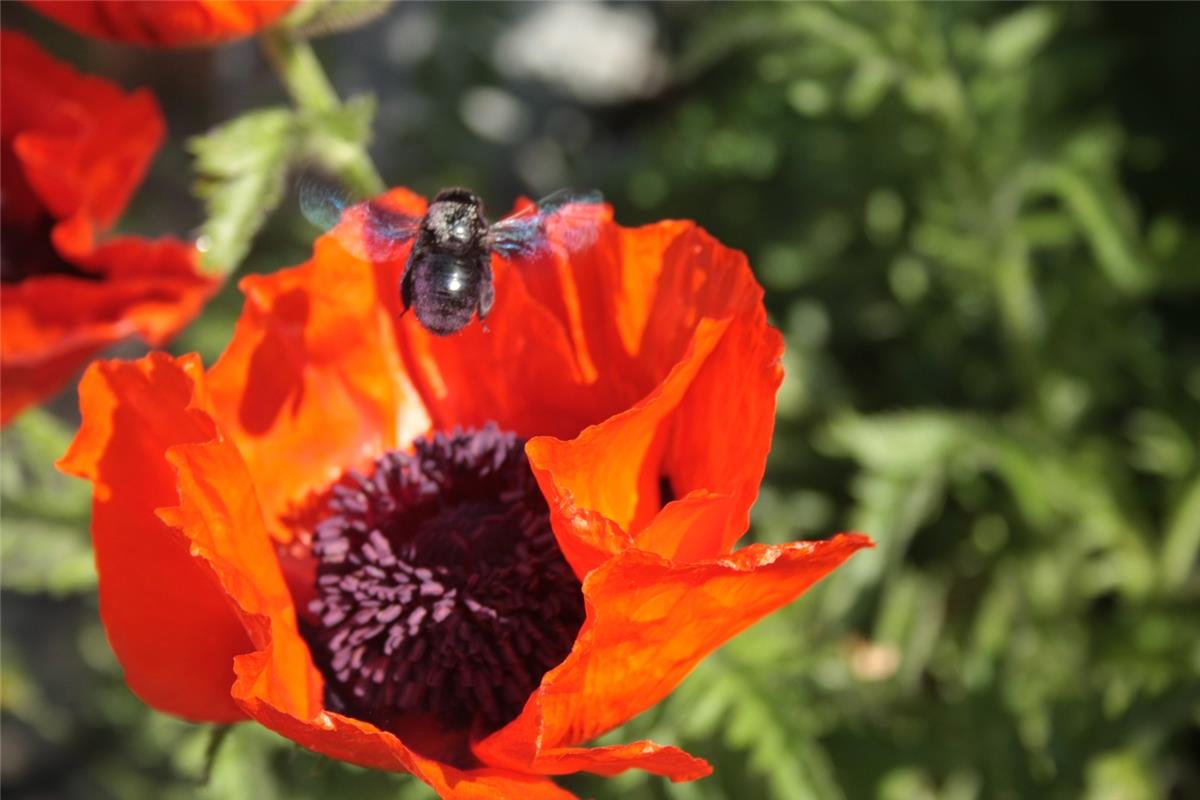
(242, 171)
(35, 438)
(756, 718)
(911, 617)
(902, 442)
(867, 86)
(336, 140)
(41, 556)
(1016, 39)
(321, 17)
(44, 543)
(1160, 444)
(1121, 775)
(243, 167)
(1182, 542)
(251, 761)
(1097, 214)
(241, 766)
(22, 698)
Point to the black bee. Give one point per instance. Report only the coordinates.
(448, 276)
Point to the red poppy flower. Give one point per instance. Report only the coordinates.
(335, 531)
(73, 148)
(164, 23)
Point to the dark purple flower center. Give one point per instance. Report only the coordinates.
(440, 587)
(26, 252)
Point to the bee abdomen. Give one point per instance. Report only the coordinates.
(446, 292)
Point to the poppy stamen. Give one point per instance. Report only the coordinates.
(441, 589)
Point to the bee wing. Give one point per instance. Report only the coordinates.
(577, 217)
(369, 230)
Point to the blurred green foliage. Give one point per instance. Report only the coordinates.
(978, 228)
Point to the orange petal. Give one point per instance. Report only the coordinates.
(650, 621)
(676, 274)
(563, 347)
(361, 743)
(25, 385)
(721, 433)
(673, 276)
(631, 301)
(312, 383)
(706, 428)
(84, 145)
(52, 325)
(164, 24)
(602, 297)
(655, 294)
(670, 762)
(516, 369)
(573, 340)
(171, 626)
(609, 468)
(693, 527)
(76, 146)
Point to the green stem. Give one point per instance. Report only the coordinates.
(301, 73)
(216, 737)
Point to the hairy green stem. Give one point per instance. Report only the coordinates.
(302, 75)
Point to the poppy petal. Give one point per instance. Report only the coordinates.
(601, 296)
(171, 626)
(693, 527)
(539, 334)
(74, 148)
(26, 385)
(593, 472)
(670, 762)
(484, 373)
(719, 435)
(615, 469)
(83, 144)
(313, 371)
(52, 325)
(657, 289)
(164, 24)
(632, 300)
(738, 382)
(154, 292)
(649, 622)
(361, 743)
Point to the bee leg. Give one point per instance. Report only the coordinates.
(406, 289)
(487, 293)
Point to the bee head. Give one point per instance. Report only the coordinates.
(456, 218)
(457, 194)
